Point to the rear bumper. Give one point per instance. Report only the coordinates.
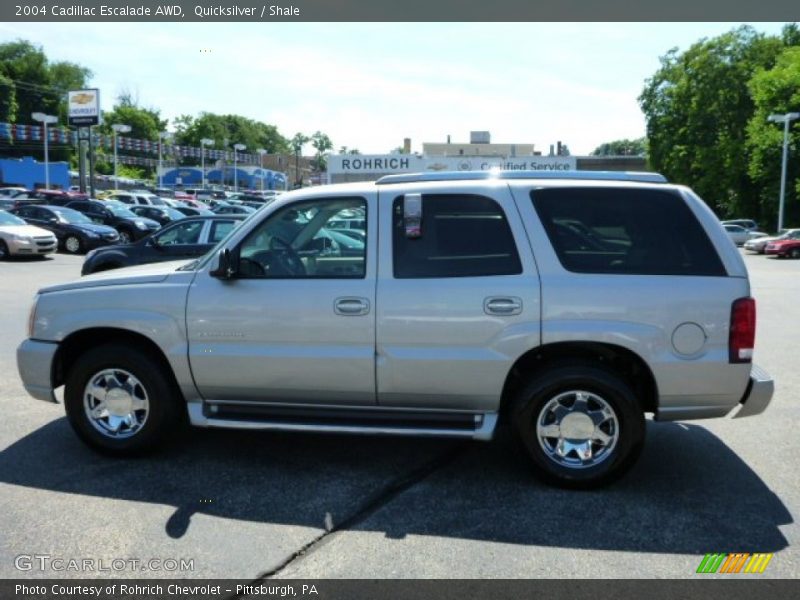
(758, 394)
(35, 365)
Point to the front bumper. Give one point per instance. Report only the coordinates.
(32, 248)
(758, 394)
(35, 365)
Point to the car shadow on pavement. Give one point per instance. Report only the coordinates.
(689, 493)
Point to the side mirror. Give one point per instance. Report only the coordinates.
(412, 215)
(226, 269)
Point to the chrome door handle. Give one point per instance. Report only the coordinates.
(351, 306)
(502, 305)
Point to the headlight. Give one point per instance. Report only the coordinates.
(92, 234)
(32, 315)
(23, 239)
(140, 224)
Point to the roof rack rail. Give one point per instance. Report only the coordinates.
(492, 174)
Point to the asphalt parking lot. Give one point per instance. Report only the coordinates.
(248, 505)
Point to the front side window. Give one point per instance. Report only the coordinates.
(220, 229)
(625, 231)
(182, 233)
(297, 242)
(460, 235)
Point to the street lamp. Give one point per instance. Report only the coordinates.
(785, 119)
(261, 153)
(45, 120)
(118, 128)
(236, 148)
(203, 143)
(162, 135)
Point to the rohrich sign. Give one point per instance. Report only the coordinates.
(83, 107)
(411, 163)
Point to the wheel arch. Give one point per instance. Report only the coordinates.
(77, 343)
(619, 360)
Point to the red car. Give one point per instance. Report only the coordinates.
(782, 248)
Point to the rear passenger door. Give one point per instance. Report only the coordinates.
(457, 298)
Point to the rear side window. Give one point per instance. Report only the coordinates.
(461, 236)
(626, 231)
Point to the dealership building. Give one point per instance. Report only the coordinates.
(478, 155)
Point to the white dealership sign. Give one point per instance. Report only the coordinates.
(411, 163)
(83, 107)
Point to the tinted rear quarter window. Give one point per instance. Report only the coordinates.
(625, 231)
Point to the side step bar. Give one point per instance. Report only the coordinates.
(350, 421)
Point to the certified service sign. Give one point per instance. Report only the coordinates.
(84, 107)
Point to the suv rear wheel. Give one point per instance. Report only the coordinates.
(119, 400)
(580, 425)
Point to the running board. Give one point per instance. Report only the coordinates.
(325, 420)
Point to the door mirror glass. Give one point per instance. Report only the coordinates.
(412, 215)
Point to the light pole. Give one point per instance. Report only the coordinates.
(162, 135)
(45, 120)
(236, 148)
(261, 153)
(785, 119)
(203, 143)
(118, 128)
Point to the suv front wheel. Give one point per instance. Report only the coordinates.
(581, 426)
(120, 401)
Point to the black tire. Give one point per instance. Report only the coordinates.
(4, 253)
(73, 244)
(534, 403)
(163, 414)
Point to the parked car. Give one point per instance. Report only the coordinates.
(51, 197)
(75, 231)
(748, 224)
(184, 239)
(143, 198)
(465, 306)
(161, 214)
(786, 248)
(739, 235)
(129, 225)
(19, 238)
(191, 211)
(759, 245)
(233, 209)
(7, 203)
(10, 192)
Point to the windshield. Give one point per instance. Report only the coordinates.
(173, 214)
(9, 219)
(67, 215)
(120, 211)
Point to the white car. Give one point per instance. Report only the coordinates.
(759, 244)
(739, 235)
(17, 237)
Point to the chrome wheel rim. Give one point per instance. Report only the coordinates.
(577, 429)
(72, 244)
(116, 403)
(124, 237)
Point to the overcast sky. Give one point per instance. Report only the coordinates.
(369, 85)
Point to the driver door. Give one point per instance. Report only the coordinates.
(296, 323)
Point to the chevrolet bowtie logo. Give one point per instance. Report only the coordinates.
(82, 98)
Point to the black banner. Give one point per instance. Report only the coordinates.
(404, 589)
(396, 10)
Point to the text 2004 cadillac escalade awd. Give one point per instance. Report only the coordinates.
(569, 305)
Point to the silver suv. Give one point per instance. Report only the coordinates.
(568, 306)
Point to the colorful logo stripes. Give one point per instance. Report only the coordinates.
(736, 562)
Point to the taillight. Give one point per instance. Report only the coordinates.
(743, 330)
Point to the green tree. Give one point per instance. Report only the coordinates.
(229, 129)
(322, 144)
(145, 123)
(775, 91)
(8, 100)
(697, 106)
(624, 147)
(297, 142)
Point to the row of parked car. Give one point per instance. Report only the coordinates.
(42, 221)
(744, 232)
